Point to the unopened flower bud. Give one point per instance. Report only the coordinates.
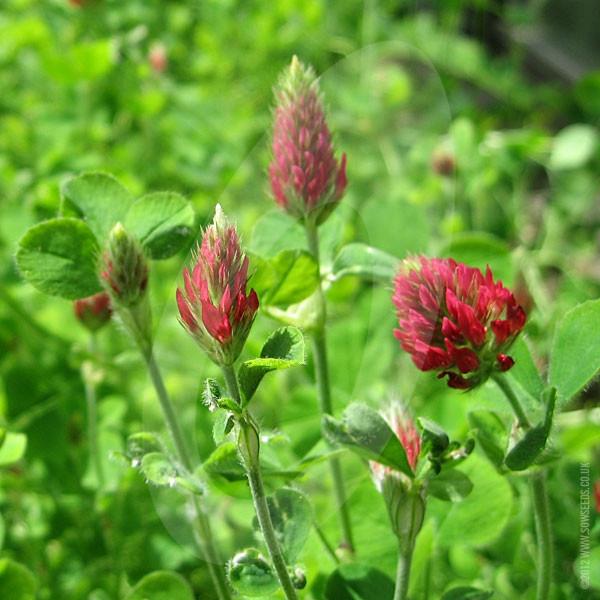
(455, 320)
(124, 268)
(443, 163)
(94, 311)
(403, 426)
(306, 178)
(214, 305)
(158, 58)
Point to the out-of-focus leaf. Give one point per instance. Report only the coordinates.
(450, 485)
(356, 581)
(481, 517)
(158, 470)
(575, 357)
(467, 593)
(573, 146)
(100, 199)
(292, 516)
(366, 262)
(162, 221)
(16, 581)
(250, 574)
(285, 279)
(13, 448)
(161, 585)
(490, 433)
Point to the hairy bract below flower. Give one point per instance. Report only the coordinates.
(94, 311)
(455, 320)
(402, 424)
(306, 179)
(213, 304)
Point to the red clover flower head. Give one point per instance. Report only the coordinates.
(455, 320)
(213, 305)
(306, 178)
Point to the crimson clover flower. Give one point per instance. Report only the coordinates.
(402, 424)
(94, 311)
(454, 319)
(213, 305)
(306, 178)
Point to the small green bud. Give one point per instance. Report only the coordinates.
(124, 268)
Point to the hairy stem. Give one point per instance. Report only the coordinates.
(324, 390)
(203, 530)
(541, 504)
(541, 511)
(513, 400)
(249, 446)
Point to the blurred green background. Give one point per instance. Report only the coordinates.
(471, 129)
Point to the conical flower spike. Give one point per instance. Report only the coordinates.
(213, 304)
(306, 178)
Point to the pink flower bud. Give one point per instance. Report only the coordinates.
(158, 58)
(94, 311)
(124, 268)
(403, 426)
(213, 304)
(306, 179)
(455, 320)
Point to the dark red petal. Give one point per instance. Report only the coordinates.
(501, 329)
(216, 323)
(184, 311)
(456, 381)
(505, 362)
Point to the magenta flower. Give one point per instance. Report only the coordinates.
(213, 304)
(306, 179)
(454, 319)
(94, 311)
(403, 426)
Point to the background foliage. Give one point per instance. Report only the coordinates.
(407, 90)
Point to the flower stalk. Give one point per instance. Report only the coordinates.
(319, 345)
(249, 448)
(90, 384)
(203, 529)
(540, 503)
(125, 275)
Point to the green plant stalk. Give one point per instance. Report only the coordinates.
(541, 511)
(319, 340)
(91, 402)
(203, 529)
(540, 502)
(402, 575)
(249, 445)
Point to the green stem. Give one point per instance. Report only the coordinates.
(203, 530)
(89, 383)
(328, 547)
(541, 504)
(249, 443)
(324, 390)
(402, 575)
(541, 510)
(513, 400)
